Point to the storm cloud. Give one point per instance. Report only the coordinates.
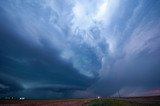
(79, 48)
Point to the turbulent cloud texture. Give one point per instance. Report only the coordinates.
(79, 48)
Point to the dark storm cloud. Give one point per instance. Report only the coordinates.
(9, 84)
(36, 67)
(50, 48)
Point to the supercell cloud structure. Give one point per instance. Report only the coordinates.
(79, 48)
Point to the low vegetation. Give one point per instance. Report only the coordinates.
(116, 102)
(141, 101)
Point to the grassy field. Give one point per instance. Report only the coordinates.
(130, 101)
(117, 102)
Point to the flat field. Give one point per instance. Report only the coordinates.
(130, 101)
(67, 102)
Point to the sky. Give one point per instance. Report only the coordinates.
(79, 48)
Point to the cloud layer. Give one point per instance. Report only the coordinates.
(79, 48)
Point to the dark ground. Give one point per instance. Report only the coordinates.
(129, 101)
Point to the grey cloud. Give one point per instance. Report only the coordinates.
(48, 44)
(9, 84)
